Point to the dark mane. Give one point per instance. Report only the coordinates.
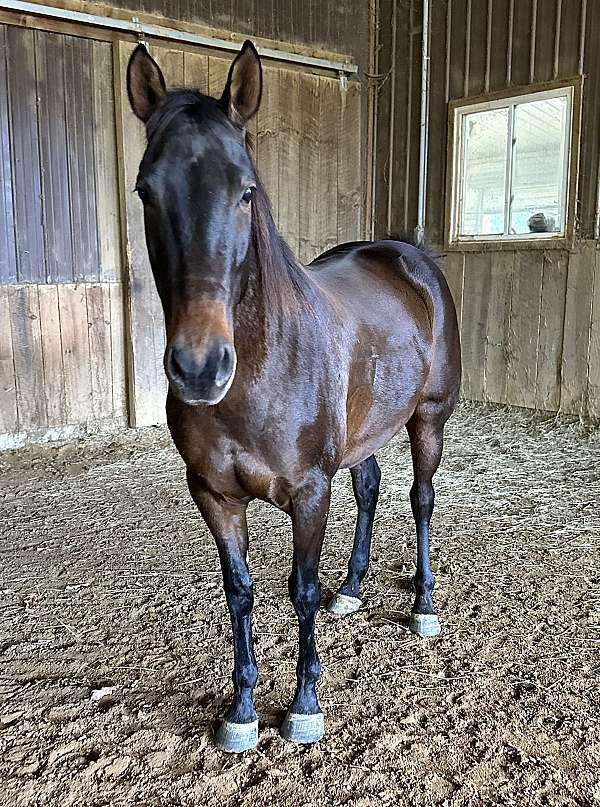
(282, 276)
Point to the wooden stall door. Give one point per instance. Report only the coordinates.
(308, 152)
(61, 324)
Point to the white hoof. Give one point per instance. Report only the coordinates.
(237, 737)
(302, 728)
(342, 604)
(424, 624)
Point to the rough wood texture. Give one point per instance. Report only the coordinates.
(289, 159)
(349, 201)
(54, 369)
(476, 299)
(524, 329)
(27, 356)
(105, 165)
(578, 313)
(8, 392)
(550, 342)
(8, 255)
(27, 182)
(498, 323)
(54, 155)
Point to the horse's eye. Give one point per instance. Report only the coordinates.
(143, 194)
(247, 196)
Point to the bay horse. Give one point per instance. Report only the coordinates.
(280, 374)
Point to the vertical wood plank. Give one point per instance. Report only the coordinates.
(478, 47)
(98, 320)
(545, 32)
(593, 388)
(8, 253)
(27, 187)
(105, 164)
(118, 350)
(329, 119)
(438, 123)
(496, 355)
(499, 44)
(218, 70)
(54, 375)
(476, 295)
(76, 352)
(570, 31)
(349, 173)
(453, 267)
(268, 138)
(590, 141)
(8, 391)
(521, 41)
(80, 139)
(578, 311)
(554, 287)
(50, 57)
(458, 44)
(289, 158)
(310, 186)
(27, 356)
(195, 71)
(524, 327)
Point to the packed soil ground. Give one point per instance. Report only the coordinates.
(115, 644)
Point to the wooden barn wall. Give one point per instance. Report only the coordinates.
(530, 318)
(61, 299)
(341, 26)
(81, 329)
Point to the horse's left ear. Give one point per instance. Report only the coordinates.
(145, 83)
(241, 96)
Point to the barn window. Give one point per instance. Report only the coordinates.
(510, 177)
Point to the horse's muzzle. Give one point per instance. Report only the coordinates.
(201, 378)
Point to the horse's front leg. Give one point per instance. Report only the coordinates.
(227, 522)
(304, 720)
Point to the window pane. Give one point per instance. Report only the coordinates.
(538, 192)
(485, 137)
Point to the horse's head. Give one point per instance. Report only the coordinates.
(196, 182)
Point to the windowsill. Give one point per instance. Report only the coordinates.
(508, 244)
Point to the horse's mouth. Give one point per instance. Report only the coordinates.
(206, 396)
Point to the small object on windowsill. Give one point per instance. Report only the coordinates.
(540, 223)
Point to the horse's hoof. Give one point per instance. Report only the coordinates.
(236, 737)
(299, 728)
(424, 624)
(342, 604)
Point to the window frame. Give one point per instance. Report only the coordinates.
(460, 107)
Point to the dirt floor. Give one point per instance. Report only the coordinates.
(115, 645)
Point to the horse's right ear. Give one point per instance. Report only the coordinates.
(145, 83)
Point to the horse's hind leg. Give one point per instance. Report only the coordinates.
(365, 481)
(426, 433)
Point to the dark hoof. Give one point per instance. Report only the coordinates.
(425, 624)
(343, 604)
(302, 728)
(237, 737)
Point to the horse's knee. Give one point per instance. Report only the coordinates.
(305, 596)
(240, 598)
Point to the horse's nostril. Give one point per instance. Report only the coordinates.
(175, 367)
(224, 365)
